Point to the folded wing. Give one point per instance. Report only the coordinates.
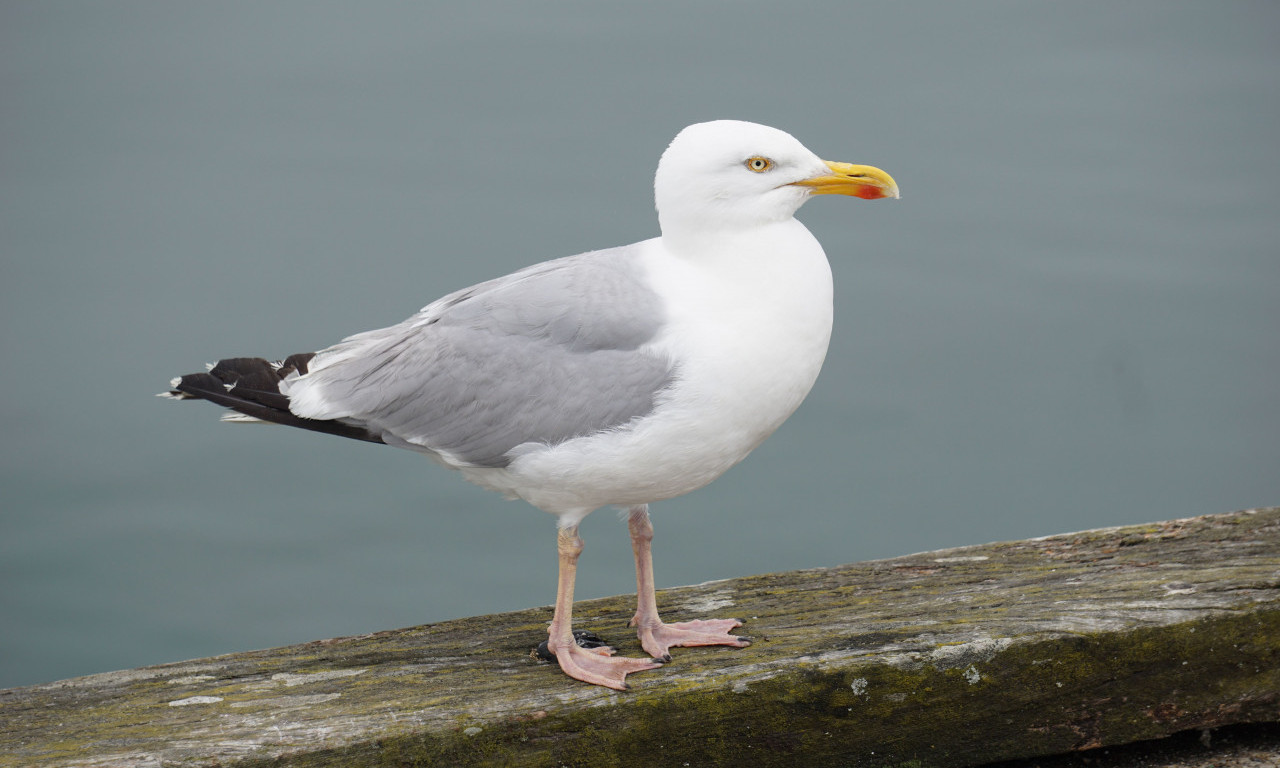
(541, 356)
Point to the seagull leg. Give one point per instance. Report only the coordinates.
(656, 637)
(590, 665)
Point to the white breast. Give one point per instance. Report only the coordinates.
(748, 327)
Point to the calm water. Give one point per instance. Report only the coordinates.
(1069, 321)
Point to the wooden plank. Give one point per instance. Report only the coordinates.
(1247, 745)
(946, 658)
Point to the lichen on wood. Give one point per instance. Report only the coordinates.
(946, 658)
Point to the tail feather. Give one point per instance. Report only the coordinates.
(251, 386)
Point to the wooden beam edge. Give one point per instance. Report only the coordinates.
(955, 657)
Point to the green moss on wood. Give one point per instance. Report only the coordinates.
(938, 659)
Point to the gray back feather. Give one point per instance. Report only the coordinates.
(543, 355)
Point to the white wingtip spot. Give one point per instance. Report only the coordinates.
(173, 395)
(241, 418)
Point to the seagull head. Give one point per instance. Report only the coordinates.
(730, 174)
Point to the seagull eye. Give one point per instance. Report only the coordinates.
(759, 164)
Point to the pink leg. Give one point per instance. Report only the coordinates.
(656, 637)
(595, 665)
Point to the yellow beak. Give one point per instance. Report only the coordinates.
(862, 181)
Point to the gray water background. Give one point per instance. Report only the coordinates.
(1070, 319)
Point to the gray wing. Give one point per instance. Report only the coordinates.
(541, 356)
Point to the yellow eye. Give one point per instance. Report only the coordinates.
(759, 164)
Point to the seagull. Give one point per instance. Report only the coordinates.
(618, 377)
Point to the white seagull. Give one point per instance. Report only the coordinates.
(616, 377)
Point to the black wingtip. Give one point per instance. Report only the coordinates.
(251, 385)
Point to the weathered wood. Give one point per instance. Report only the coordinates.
(1247, 745)
(946, 658)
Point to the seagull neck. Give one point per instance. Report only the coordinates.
(700, 243)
